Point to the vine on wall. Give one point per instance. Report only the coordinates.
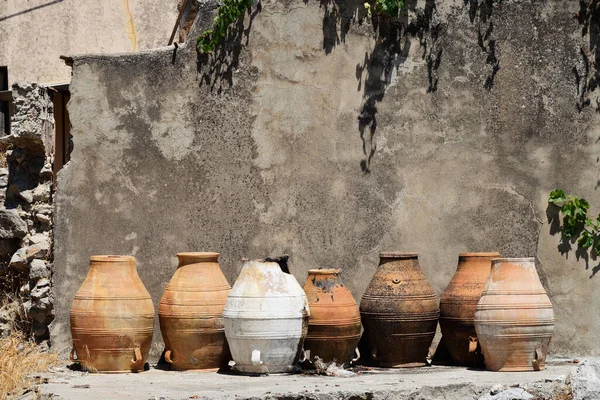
(228, 13)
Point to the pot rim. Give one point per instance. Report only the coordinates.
(515, 260)
(111, 258)
(494, 254)
(398, 254)
(324, 271)
(199, 255)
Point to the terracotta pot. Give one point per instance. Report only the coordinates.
(458, 304)
(514, 320)
(112, 317)
(334, 323)
(266, 319)
(191, 314)
(399, 312)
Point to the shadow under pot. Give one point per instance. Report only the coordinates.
(399, 312)
(112, 317)
(514, 320)
(191, 314)
(334, 323)
(458, 304)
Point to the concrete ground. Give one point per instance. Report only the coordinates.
(436, 382)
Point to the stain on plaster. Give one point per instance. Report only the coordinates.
(131, 30)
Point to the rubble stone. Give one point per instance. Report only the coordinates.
(509, 394)
(585, 380)
(3, 177)
(38, 269)
(11, 225)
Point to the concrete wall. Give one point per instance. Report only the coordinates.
(35, 33)
(462, 157)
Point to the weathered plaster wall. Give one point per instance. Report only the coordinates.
(277, 164)
(35, 33)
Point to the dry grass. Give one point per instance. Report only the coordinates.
(19, 359)
(3, 148)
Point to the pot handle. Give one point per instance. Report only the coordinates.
(168, 357)
(357, 352)
(537, 361)
(138, 362)
(255, 358)
(473, 344)
(305, 355)
(74, 356)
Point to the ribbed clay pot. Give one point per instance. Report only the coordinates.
(399, 312)
(191, 314)
(266, 319)
(458, 304)
(112, 317)
(514, 320)
(334, 323)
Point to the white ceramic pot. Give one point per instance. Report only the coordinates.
(266, 319)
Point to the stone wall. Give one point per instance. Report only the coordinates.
(313, 133)
(26, 215)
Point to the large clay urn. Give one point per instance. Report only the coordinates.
(112, 317)
(458, 304)
(514, 320)
(191, 314)
(399, 312)
(266, 319)
(334, 323)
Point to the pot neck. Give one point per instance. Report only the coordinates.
(197, 257)
(525, 265)
(112, 265)
(479, 256)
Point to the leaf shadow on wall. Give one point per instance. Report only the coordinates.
(480, 15)
(565, 246)
(391, 49)
(586, 73)
(216, 69)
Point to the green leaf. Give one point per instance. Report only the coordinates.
(586, 240)
(557, 196)
(597, 247)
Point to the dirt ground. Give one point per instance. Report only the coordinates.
(417, 383)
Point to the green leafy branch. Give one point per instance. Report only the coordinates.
(389, 7)
(575, 222)
(228, 13)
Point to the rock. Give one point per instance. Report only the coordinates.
(24, 255)
(42, 208)
(19, 259)
(25, 290)
(38, 269)
(44, 347)
(44, 282)
(496, 389)
(26, 195)
(38, 238)
(3, 177)
(509, 394)
(11, 225)
(42, 192)
(585, 380)
(46, 172)
(43, 218)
